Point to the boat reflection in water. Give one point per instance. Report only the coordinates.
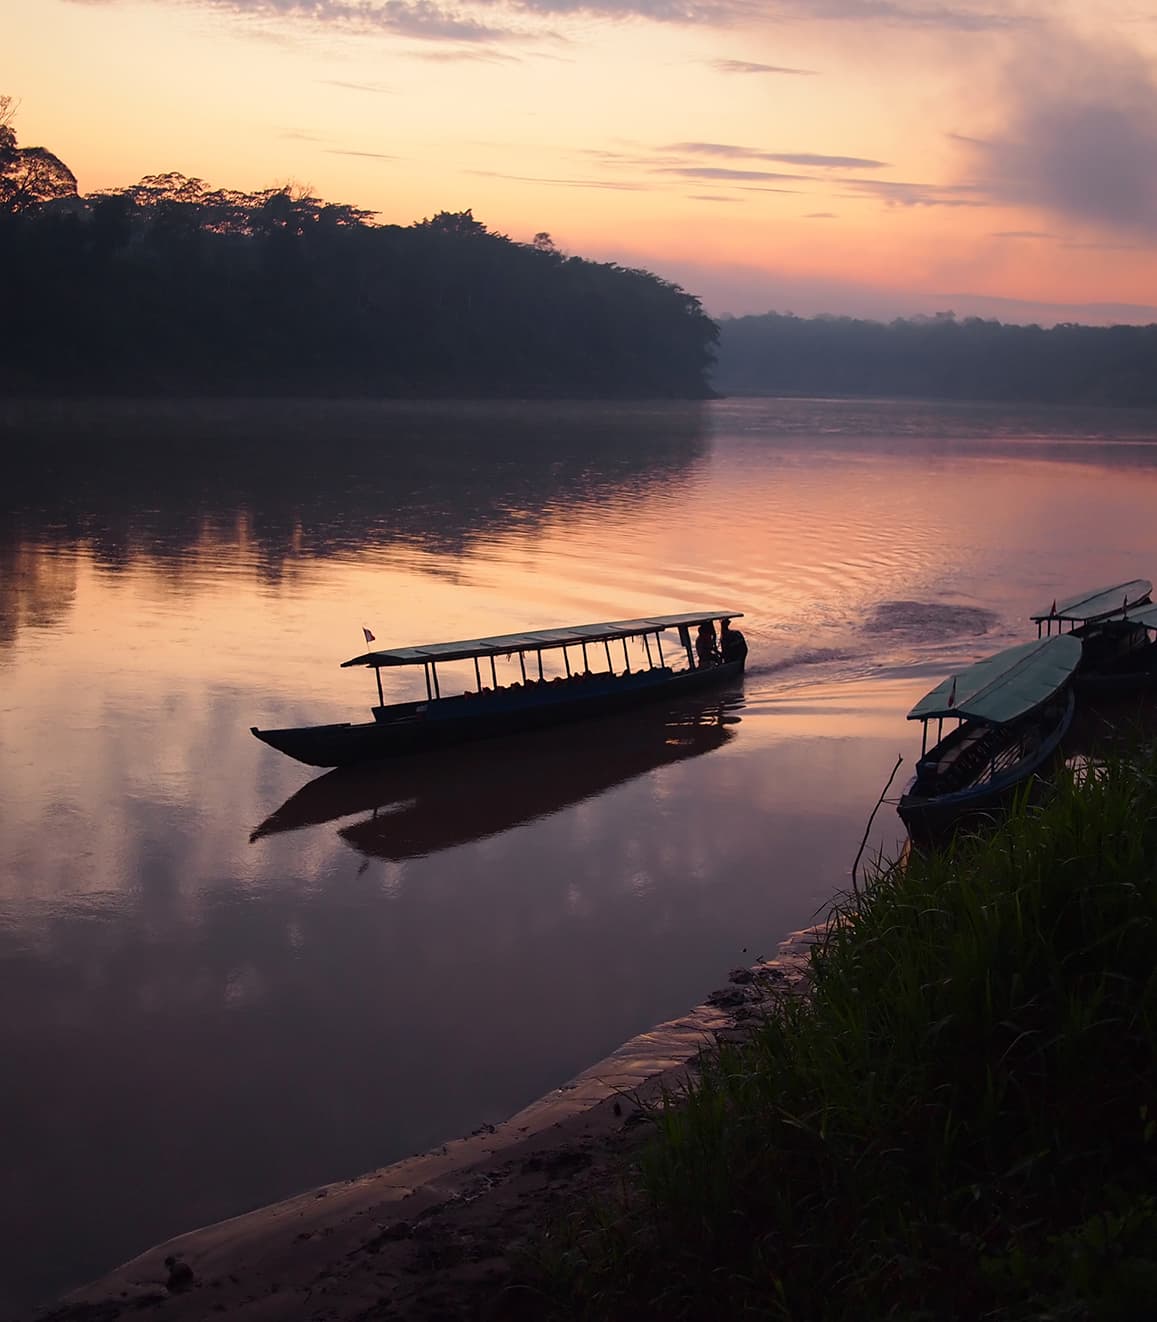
(435, 801)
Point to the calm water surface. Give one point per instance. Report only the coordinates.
(215, 990)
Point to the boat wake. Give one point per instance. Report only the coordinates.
(928, 620)
(814, 656)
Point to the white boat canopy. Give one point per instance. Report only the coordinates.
(533, 640)
(1002, 687)
(1098, 604)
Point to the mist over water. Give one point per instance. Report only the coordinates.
(227, 979)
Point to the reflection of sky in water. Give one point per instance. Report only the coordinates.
(193, 1023)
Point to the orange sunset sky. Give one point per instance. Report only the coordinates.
(870, 157)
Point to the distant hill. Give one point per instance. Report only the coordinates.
(938, 357)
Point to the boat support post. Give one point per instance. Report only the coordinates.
(477, 675)
(378, 677)
(685, 639)
(434, 676)
(626, 654)
(426, 672)
(522, 665)
(647, 649)
(610, 663)
(659, 645)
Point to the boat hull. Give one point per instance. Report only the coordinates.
(933, 818)
(1119, 660)
(444, 723)
(1123, 682)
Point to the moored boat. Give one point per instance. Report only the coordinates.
(1012, 711)
(1117, 627)
(531, 700)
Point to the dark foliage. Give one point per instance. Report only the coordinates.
(957, 1124)
(29, 176)
(938, 357)
(169, 286)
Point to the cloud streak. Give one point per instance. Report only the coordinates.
(747, 67)
(473, 20)
(378, 89)
(737, 166)
(424, 20)
(806, 158)
(926, 14)
(901, 193)
(613, 184)
(963, 16)
(722, 172)
(480, 54)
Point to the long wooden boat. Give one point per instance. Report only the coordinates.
(530, 702)
(1117, 626)
(1011, 711)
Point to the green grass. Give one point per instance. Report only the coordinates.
(961, 1122)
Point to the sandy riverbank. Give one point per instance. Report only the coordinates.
(431, 1236)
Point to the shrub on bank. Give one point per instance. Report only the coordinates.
(961, 1121)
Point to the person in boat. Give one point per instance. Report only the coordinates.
(732, 644)
(706, 648)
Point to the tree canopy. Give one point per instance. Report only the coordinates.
(29, 176)
(938, 357)
(171, 285)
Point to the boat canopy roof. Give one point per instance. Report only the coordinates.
(1004, 686)
(1099, 603)
(532, 640)
(1146, 615)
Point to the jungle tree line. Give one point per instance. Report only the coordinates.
(938, 357)
(172, 286)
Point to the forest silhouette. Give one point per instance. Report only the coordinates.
(940, 357)
(170, 286)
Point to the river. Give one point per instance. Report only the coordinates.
(213, 995)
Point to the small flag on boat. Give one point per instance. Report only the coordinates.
(952, 693)
(369, 636)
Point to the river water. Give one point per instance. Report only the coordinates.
(214, 994)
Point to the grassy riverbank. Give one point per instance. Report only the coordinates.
(960, 1123)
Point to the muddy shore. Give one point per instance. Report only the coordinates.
(432, 1237)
